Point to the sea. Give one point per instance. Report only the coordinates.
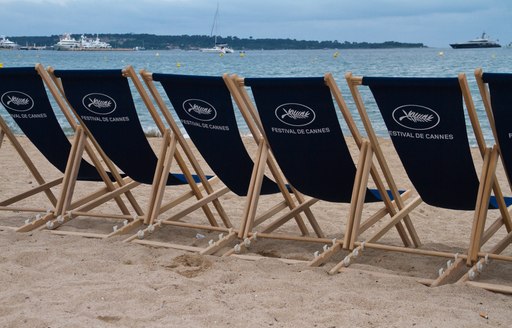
(426, 62)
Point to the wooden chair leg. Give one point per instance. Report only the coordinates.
(160, 178)
(484, 193)
(2, 134)
(72, 167)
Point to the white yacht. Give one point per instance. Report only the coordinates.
(67, 42)
(85, 43)
(7, 44)
(93, 44)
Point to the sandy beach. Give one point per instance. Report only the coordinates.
(50, 280)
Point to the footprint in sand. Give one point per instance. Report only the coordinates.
(189, 265)
(108, 318)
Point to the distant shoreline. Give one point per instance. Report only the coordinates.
(193, 42)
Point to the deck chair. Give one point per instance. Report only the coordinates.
(205, 109)
(425, 120)
(298, 119)
(24, 97)
(103, 103)
(495, 90)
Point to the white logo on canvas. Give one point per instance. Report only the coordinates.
(295, 114)
(17, 101)
(99, 103)
(416, 117)
(199, 109)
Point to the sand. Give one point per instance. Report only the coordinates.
(53, 281)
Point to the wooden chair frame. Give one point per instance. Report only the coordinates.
(365, 169)
(253, 194)
(495, 252)
(168, 152)
(487, 185)
(61, 204)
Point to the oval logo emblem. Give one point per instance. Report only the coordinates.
(199, 110)
(294, 114)
(17, 101)
(99, 103)
(416, 117)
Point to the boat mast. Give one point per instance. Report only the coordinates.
(214, 25)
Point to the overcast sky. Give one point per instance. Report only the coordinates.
(435, 23)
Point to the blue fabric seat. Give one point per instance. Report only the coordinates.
(304, 133)
(205, 109)
(425, 120)
(104, 102)
(24, 97)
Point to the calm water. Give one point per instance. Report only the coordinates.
(390, 62)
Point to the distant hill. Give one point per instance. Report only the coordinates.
(190, 42)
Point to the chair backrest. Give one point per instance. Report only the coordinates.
(23, 95)
(500, 91)
(425, 120)
(300, 123)
(205, 109)
(103, 101)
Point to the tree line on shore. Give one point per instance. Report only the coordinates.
(191, 42)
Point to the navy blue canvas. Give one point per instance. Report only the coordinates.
(305, 136)
(500, 89)
(425, 120)
(23, 95)
(104, 102)
(204, 107)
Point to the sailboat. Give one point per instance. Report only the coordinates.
(219, 48)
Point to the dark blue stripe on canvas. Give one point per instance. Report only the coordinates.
(496, 78)
(493, 204)
(85, 74)
(278, 82)
(378, 196)
(423, 82)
